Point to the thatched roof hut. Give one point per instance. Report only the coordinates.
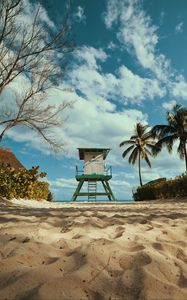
(7, 157)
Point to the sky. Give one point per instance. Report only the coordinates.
(129, 66)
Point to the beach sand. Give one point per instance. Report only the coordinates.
(93, 251)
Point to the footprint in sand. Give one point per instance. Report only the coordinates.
(135, 248)
(132, 279)
(77, 236)
(157, 246)
(50, 260)
(181, 255)
(130, 261)
(182, 280)
(118, 232)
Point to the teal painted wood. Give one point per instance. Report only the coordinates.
(92, 190)
(93, 177)
(93, 194)
(108, 189)
(79, 186)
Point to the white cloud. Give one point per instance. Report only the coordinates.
(137, 33)
(79, 15)
(87, 125)
(61, 183)
(112, 14)
(111, 46)
(179, 27)
(138, 88)
(179, 88)
(87, 77)
(169, 105)
(90, 55)
(30, 10)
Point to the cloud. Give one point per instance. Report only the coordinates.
(169, 105)
(90, 55)
(137, 33)
(60, 183)
(179, 88)
(89, 79)
(111, 46)
(137, 88)
(112, 14)
(95, 118)
(179, 27)
(79, 15)
(89, 124)
(30, 10)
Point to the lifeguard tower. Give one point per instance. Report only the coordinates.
(94, 172)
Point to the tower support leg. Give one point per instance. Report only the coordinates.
(79, 186)
(108, 191)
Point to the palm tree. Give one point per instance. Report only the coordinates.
(176, 129)
(141, 144)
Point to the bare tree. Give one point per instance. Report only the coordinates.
(36, 53)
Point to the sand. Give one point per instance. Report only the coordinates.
(93, 251)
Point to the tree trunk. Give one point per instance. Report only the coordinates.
(185, 154)
(2, 133)
(139, 168)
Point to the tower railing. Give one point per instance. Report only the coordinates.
(107, 171)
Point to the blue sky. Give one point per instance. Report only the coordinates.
(130, 66)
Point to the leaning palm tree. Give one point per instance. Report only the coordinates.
(176, 129)
(142, 145)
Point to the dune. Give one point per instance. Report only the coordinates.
(93, 251)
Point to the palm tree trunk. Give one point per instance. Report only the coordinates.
(185, 154)
(139, 168)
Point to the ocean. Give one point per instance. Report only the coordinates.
(97, 201)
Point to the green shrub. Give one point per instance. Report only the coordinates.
(50, 197)
(173, 188)
(23, 183)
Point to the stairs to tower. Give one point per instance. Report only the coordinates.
(92, 190)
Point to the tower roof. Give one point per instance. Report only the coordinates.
(105, 151)
(8, 158)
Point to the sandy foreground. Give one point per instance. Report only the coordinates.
(93, 251)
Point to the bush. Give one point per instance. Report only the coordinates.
(23, 183)
(173, 188)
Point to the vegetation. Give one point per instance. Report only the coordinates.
(176, 129)
(23, 183)
(142, 145)
(33, 55)
(162, 189)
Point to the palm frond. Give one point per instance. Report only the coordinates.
(133, 156)
(162, 130)
(126, 143)
(147, 160)
(166, 141)
(148, 135)
(147, 151)
(127, 151)
(140, 129)
(177, 108)
(153, 148)
(171, 118)
(180, 150)
(133, 137)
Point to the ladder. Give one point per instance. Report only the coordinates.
(92, 190)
